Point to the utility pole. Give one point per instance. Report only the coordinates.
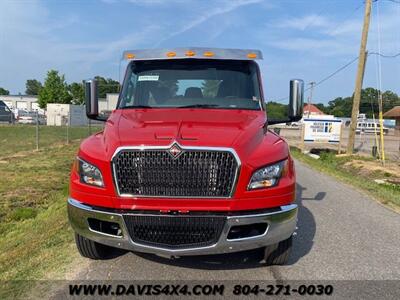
(312, 84)
(37, 130)
(359, 78)
(382, 141)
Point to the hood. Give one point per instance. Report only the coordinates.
(241, 130)
(195, 127)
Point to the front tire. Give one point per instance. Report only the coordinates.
(278, 254)
(91, 249)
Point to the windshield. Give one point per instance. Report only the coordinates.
(185, 83)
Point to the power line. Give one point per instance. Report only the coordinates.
(345, 18)
(394, 1)
(324, 79)
(335, 72)
(385, 55)
(341, 69)
(332, 32)
(315, 18)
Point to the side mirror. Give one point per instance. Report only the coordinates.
(92, 100)
(296, 103)
(296, 100)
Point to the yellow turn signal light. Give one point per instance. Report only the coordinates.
(171, 54)
(252, 55)
(190, 53)
(208, 53)
(129, 56)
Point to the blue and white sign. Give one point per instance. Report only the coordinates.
(322, 130)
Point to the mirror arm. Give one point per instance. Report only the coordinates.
(279, 121)
(98, 118)
(276, 121)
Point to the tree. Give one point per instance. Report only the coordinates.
(77, 92)
(171, 85)
(210, 88)
(390, 100)
(106, 86)
(276, 111)
(33, 87)
(4, 91)
(369, 101)
(54, 90)
(321, 107)
(341, 107)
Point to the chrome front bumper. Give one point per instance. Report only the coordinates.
(281, 225)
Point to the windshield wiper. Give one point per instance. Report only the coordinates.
(199, 106)
(136, 106)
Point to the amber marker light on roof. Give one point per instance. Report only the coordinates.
(208, 53)
(190, 53)
(129, 56)
(171, 54)
(252, 55)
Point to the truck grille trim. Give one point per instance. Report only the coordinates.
(194, 173)
(175, 232)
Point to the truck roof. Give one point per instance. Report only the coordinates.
(192, 52)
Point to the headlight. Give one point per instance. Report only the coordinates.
(268, 176)
(89, 174)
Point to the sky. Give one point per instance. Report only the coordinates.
(299, 38)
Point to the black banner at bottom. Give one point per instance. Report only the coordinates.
(98, 289)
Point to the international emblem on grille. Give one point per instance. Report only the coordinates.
(175, 151)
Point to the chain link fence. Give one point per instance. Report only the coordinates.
(32, 133)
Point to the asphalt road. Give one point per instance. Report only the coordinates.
(342, 235)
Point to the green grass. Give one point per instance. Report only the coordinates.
(35, 237)
(16, 138)
(336, 166)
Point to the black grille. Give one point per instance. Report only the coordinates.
(194, 173)
(175, 232)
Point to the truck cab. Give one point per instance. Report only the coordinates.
(186, 164)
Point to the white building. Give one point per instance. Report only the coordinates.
(64, 114)
(30, 103)
(57, 114)
(109, 103)
(24, 102)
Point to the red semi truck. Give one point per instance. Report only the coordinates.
(186, 164)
